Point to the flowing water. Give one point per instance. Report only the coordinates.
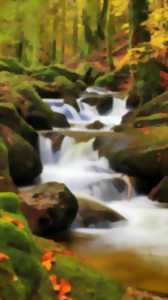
(134, 251)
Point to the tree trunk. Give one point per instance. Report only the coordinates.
(138, 13)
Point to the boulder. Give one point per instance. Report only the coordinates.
(152, 113)
(24, 162)
(50, 208)
(148, 83)
(160, 191)
(152, 120)
(113, 80)
(6, 183)
(18, 90)
(50, 73)
(139, 152)
(95, 125)
(103, 103)
(12, 65)
(11, 118)
(88, 73)
(22, 276)
(133, 100)
(93, 213)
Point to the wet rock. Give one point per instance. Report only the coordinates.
(137, 152)
(50, 208)
(95, 125)
(88, 73)
(56, 139)
(133, 99)
(160, 191)
(95, 214)
(38, 121)
(10, 117)
(24, 162)
(103, 103)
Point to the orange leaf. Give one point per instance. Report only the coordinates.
(55, 285)
(65, 287)
(4, 257)
(18, 223)
(48, 260)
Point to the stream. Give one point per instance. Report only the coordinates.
(133, 251)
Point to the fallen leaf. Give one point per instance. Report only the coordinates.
(48, 260)
(4, 257)
(13, 221)
(55, 285)
(18, 223)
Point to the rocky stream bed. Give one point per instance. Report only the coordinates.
(83, 189)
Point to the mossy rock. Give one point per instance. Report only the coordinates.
(153, 112)
(88, 73)
(22, 276)
(113, 80)
(160, 191)
(11, 118)
(24, 162)
(50, 208)
(11, 65)
(49, 74)
(19, 90)
(152, 120)
(148, 83)
(139, 152)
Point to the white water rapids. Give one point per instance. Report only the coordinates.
(89, 114)
(81, 169)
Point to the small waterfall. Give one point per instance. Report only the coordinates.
(46, 152)
(88, 114)
(81, 169)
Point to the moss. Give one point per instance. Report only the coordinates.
(9, 202)
(50, 73)
(105, 80)
(11, 65)
(86, 283)
(113, 80)
(152, 120)
(10, 117)
(148, 84)
(137, 152)
(4, 171)
(88, 73)
(20, 92)
(21, 170)
(22, 276)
